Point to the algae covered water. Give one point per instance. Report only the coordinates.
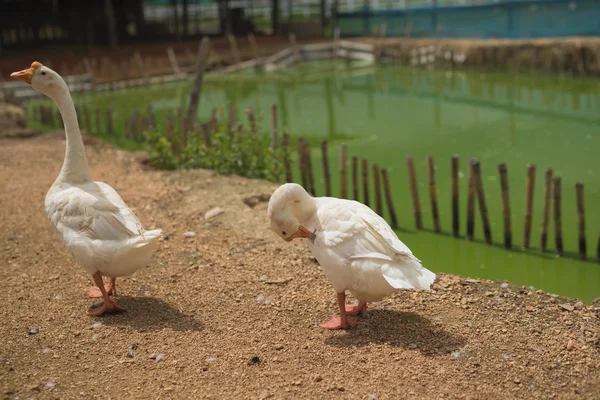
(387, 113)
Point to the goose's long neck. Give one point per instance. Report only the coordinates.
(75, 168)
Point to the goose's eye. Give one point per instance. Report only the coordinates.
(43, 73)
(283, 233)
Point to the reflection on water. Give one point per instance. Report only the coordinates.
(388, 113)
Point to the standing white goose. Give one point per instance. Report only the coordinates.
(98, 229)
(356, 248)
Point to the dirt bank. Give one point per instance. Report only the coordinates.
(195, 327)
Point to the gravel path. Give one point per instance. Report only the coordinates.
(230, 312)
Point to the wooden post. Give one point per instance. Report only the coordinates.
(528, 204)
(170, 133)
(199, 79)
(253, 45)
(412, 176)
(557, 216)
(97, 117)
(302, 165)
(433, 194)
(214, 122)
(287, 164)
(234, 49)
(294, 45)
(505, 205)
(326, 168)
(274, 127)
(388, 198)
(365, 181)
(581, 220)
(252, 120)
(355, 178)
(151, 118)
(336, 41)
(343, 180)
(173, 60)
(309, 170)
(455, 208)
(481, 200)
(377, 188)
(546, 210)
(232, 117)
(109, 122)
(471, 202)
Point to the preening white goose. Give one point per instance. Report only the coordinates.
(98, 229)
(356, 248)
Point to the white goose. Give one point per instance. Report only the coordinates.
(98, 229)
(356, 248)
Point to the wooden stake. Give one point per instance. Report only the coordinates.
(325, 158)
(343, 179)
(471, 202)
(455, 208)
(294, 45)
(388, 198)
(355, 178)
(232, 117)
(581, 220)
(214, 123)
(252, 120)
(528, 204)
(274, 127)
(433, 194)
(109, 122)
(309, 170)
(412, 176)
(234, 49)
(97, 117)
(377, 187)
(173, 60)
(302, 165)
(481, 200)
(557, 217)
(287, 164)
(365, 181)
(203, 54)
(505, 205)
(546, 209)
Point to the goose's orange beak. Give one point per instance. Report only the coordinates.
(26, 75)
(302, 233)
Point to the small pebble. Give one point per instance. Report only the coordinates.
(278, 346)
(159, 357)
(570, 345)
(372, 396)
(262, 278)
(33, 331)
(455, 354)
(504, 285)
(579, 305)
(50, 385)
(189, 235)
(505, 356)
(267, 302)
(318, 378)
(412, 346)
(211, 359)
(260, 298)
(94, 338)
(97, 325)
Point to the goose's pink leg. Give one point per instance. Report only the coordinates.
(109, 306)
(343, 322)
(111, 289)
(356, 308)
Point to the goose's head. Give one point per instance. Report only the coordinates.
(42, 79)
(290, 207)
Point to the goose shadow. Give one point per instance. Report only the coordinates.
(399, 329)
(146, 314)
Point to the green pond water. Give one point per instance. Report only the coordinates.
(385, 114)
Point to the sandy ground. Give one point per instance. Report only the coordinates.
(232, 312)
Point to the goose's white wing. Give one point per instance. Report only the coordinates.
(87, 210)
(355, 232)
